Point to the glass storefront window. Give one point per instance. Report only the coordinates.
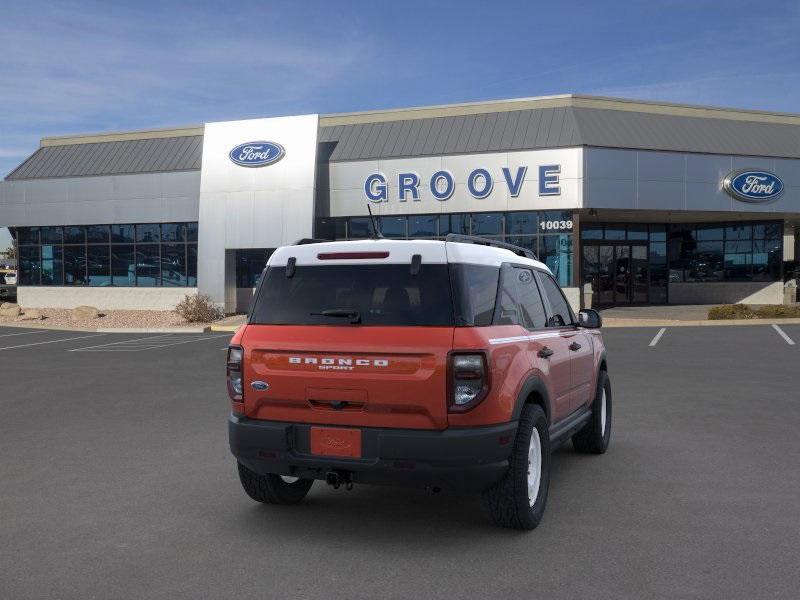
(148, 265)
(148, 233)
(658, 233)
(173, 265)
(123, 265)
(556, 252)
(422, 226)
(97, 234)
(30, 264)
(393, 227)
(328, 228)
(191, 270)
(74, 265)
(725, 252)
(738, 231)
(27, 235)
(522, 223)
(52, 265)
(487, 224)
(614, 231)
(74, 235)
(637, 232)
(591, 231)
(122, 234)
(51, 235)
(106, 255)
(98, 260)
(457, 223)
(172, 232)
(359, 228)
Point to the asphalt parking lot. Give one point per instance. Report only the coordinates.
(116, 482)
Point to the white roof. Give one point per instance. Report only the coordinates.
(400, 252)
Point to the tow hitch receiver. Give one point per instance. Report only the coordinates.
(337, 479)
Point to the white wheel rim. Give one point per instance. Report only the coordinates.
(534, 466)
(289, 478)
(603, 413)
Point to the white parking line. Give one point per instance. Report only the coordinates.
(658, 336)
(140, 344)
(151, 337)
(25, 333)
(782, 333)
(83, 337)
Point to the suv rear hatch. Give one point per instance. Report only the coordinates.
(353, 333)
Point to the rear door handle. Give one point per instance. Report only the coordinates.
(574, 346)
(545, 352)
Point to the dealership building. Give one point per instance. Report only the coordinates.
(647, 202)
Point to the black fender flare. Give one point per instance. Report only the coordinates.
(532, 384)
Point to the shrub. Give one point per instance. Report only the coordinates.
(198, 308)
(731, 311)
(746, 311)
(779, 311)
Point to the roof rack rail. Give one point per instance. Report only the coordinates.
(482, 241)
(304, 241)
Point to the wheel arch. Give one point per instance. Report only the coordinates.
(533, 391)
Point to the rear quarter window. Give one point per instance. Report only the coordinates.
(474, 293)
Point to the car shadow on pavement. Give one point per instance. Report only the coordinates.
(393, 515)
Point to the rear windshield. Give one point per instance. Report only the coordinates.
(380, 294)
(439, 295)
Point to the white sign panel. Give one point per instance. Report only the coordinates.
(528, 180)
(256, 190)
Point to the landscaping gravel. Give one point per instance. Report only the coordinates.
(56, 318)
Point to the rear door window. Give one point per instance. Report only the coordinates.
(387, 294)
(560, 313)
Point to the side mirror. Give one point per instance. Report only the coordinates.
(590, 319)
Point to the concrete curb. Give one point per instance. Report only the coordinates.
(225, 328)
(38, 326)
(722, 323)
(153, 330)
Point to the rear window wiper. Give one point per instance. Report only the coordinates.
(341, 313)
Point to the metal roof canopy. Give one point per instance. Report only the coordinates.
(503, 125)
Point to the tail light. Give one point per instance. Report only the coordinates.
(234, 372)
(468, 379)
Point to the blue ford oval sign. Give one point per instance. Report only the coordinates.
(257, 154)
(753, 186)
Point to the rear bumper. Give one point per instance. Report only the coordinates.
(468, 459)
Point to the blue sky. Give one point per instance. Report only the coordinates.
(74, 67)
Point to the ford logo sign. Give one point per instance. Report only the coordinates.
(257, 154)
(753, 186)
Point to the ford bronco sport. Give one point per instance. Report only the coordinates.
(453, 364)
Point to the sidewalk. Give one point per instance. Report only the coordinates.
(675, 316)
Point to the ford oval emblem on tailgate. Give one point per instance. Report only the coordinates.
(262, 386)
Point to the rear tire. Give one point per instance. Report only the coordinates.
(273, 489)
(596, 434)
(518, 500)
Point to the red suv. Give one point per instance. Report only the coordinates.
(454, 364)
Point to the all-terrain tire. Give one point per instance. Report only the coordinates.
(596, 434)
(509, 501)
(271, 489)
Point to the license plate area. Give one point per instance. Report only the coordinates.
(335, 441)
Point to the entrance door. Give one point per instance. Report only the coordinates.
(618, 272)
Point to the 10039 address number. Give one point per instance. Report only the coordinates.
(556, 225)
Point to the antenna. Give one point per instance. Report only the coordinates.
(376, 232)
